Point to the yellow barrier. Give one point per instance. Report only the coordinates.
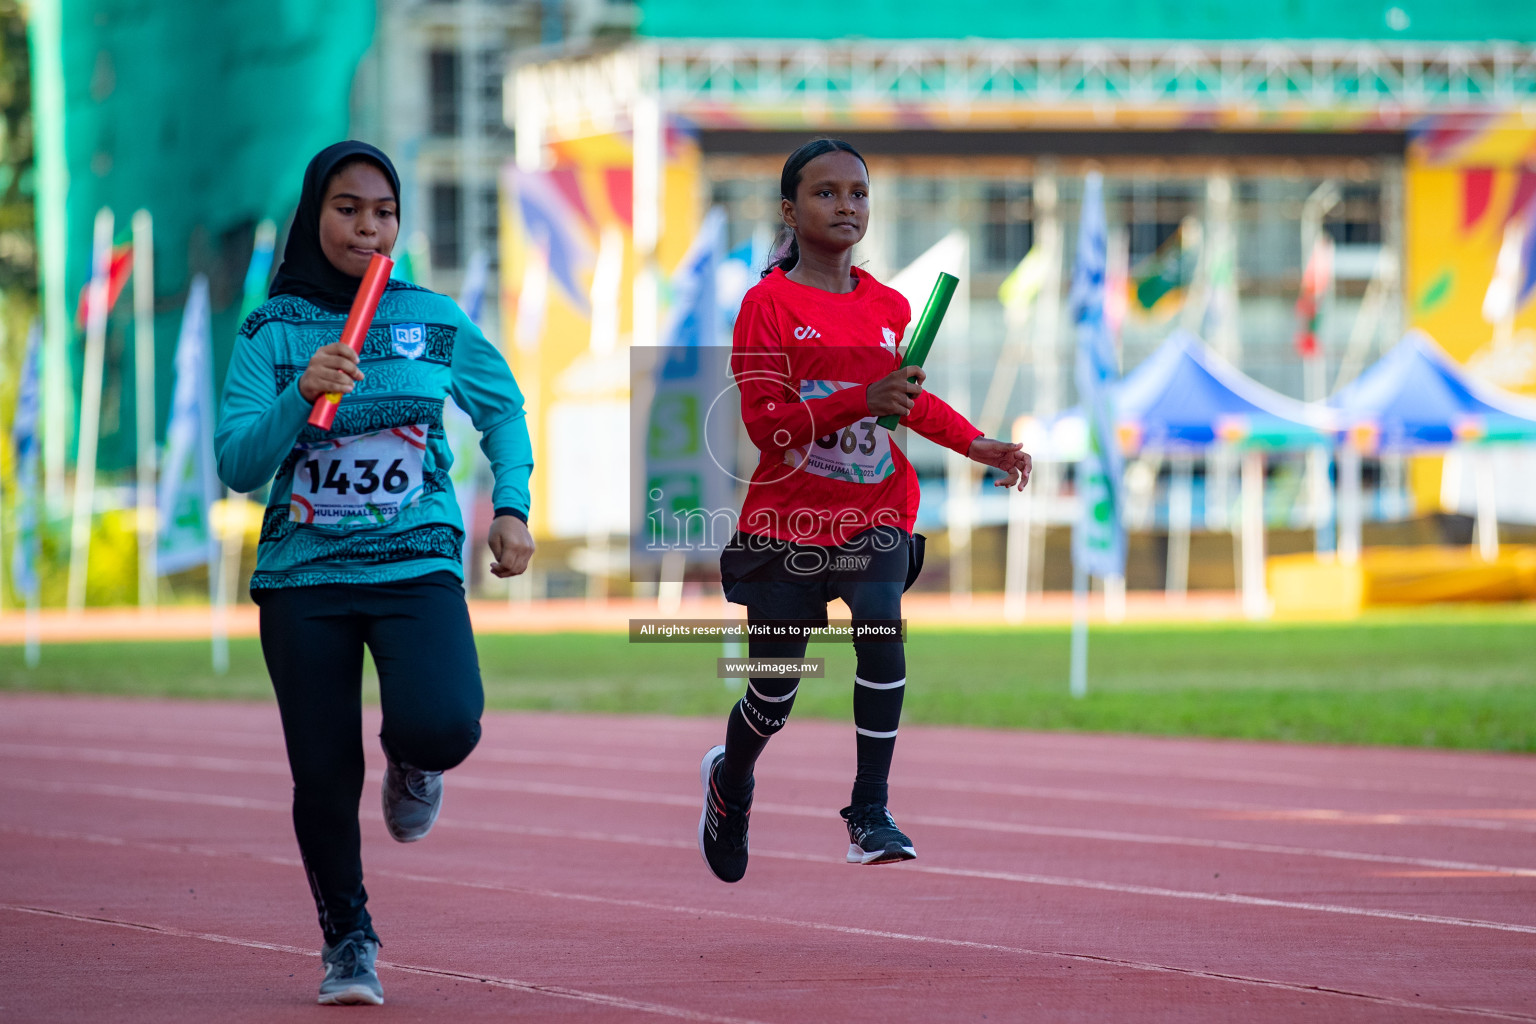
(1304, 586)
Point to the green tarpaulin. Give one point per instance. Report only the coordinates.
(203, 113)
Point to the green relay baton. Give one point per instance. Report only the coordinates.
(923, 334)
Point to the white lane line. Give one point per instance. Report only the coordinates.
(1053, 881)
(794, 810)
(787, 922)
(1064, 766)
(492, 753)
(142, 758)
(276, 767)
(162, 796)
(578, 792)
(632, 796)
(533, 988)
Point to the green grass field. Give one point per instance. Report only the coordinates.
(1458, 677)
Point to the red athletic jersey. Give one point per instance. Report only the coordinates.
(802, 358)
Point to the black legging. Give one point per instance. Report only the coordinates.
(429, 685)
(873, 596)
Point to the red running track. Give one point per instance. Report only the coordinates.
(148, 873)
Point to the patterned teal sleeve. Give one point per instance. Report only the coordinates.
(258, 424)
(483, 386)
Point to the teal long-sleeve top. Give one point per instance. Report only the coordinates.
(420, 349)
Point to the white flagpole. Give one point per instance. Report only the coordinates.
(24, 440)
(229, 526)
(90, 412)
(959, 479)
(607, 277)
(33, 650)
(1349, 503)
(1180, 521)
(1079, 676)
(208, 481)
(1098, 537)
(2, 545)
(1255, 594)
(144, 402)
(1487, 521)
(1016, 564)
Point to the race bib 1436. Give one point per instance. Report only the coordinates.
(360, 481)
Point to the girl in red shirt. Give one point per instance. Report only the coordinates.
(831, 505)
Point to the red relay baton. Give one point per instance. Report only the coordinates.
(356, 329)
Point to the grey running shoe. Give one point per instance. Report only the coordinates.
(349, 975)
(873, 837)
(412, 799)
(722, 823)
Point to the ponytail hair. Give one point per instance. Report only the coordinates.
(786, 255)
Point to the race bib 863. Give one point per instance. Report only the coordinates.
(859, 453)
(359, 481)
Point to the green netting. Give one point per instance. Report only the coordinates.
(203, 113)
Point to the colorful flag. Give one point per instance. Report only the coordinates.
(1098, 537)
(1316, 279)
(259, 271)
(24, 550)
(476, 276)
(1023, 283)
(1528, 258)
(119, 269)
(553, 225)
(1514, 270)
(1163, 276)
(189, 484)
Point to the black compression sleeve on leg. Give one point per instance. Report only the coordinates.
(761, 712)
(880, 683)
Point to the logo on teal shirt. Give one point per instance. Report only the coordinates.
(410, 340)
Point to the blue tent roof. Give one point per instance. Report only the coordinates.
(1185, 396)
(1416, 396)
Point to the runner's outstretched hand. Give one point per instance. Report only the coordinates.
(1010, 458)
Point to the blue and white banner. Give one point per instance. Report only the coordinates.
(24, 549)
(690, 419)
(189, 484)
(1098, 538)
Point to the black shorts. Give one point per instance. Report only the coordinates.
(780, 579)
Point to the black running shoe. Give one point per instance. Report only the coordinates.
(873, 837)
(723, 823)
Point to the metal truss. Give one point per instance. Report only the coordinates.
(1308, 75)
(725, 82)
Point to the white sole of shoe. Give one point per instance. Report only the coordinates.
(858, 855)
(704, 766)
(355, 996)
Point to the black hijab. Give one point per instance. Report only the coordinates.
(305, 271)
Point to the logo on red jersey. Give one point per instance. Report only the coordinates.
(890, 339)
(806, 333)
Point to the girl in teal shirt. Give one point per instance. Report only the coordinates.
(361, 540)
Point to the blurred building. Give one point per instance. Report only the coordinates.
(430, 93)
(1238, 141)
